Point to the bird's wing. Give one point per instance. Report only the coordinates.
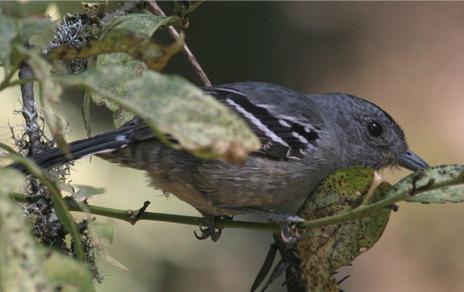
(261, 105)
(282, 136)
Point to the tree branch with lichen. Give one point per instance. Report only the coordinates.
(412, 188)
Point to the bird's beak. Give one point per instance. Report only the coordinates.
(412, 161)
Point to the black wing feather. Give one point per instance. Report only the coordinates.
(281, 138)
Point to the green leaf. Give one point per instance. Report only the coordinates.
(120, 115)
(29, 27)
(23, 265)
(7, 33)
(79, 192)
(121, 37)
(438, 184)
(103, 233)
(20, 268)
(68, 274)
(59, 204)
(324, 249)
(21, 9)
(19, 32)
(145, 23)
(84, 192)
(171, 105)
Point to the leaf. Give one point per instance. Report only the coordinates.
(171, 105)
(139, 45)
(102, 233)
(20, 268)
(31, 26)
(8, 33)
(84, 192)
(61, 209)
(120, 115)
(19, 32)
(24, 266)
(145, 23)
(324, 249)
(68, 274)
(438, 184)
(22, 9)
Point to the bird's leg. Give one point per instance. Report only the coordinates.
(208, 227)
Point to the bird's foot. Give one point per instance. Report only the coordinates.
(289, 223)
(290, 232)
(208, 228)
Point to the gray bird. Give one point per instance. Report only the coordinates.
(304, 139)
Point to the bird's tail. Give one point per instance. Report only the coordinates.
(105, 142)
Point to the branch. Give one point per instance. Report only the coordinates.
(6, 83)
(133, 216)
(155, 9)
(29, 110)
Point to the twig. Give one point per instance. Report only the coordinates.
(128, 216)
(29, 110)
(6, 81)
(155, 9)
(6, 84)
(136, 215)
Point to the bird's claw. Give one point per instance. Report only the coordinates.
(290, 229)
(208, 229)
(289, 223)
(289, 232)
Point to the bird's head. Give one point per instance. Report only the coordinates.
(372, 137)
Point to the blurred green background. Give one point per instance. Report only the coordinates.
(406, 57)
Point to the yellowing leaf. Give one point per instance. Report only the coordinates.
(171, 105)
(326, 248)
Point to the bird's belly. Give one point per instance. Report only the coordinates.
(221, 195)
(218, 188)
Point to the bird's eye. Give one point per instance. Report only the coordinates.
(375, 129)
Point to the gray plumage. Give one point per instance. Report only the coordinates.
(304, 138)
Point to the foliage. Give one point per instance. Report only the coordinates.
(23, 266)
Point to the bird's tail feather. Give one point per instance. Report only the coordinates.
(105, 142)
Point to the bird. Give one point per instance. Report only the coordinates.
(304, 139)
